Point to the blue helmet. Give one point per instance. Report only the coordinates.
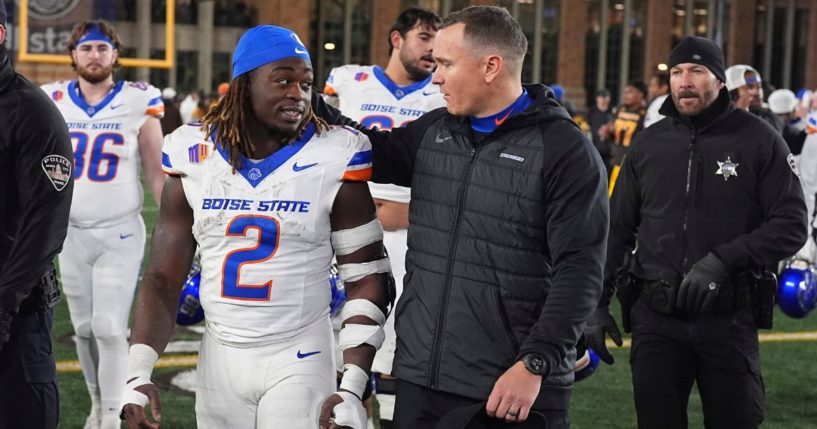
(338, 292)
(586, 365)
(797, 289)
(190, 310)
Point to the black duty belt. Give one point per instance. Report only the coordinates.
(734, 295)
(45, 294)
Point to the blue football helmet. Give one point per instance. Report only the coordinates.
(797, 288)
(338, 291)
(190, 310)
(586, 365)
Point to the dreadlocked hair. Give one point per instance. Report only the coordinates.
(237, 129)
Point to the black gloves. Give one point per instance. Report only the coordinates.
(601, 324)
(700, 286)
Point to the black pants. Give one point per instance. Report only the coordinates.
(29, 398)
(719, 352)
(420, 407)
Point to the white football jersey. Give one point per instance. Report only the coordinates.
(107, 185)
(369, 97)
(264, 231)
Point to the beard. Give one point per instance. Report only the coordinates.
(415, 72)
(705, 99)
(95, 76)
(756, 103)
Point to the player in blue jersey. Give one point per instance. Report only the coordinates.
(116, 135)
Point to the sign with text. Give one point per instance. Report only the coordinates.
(44, 28)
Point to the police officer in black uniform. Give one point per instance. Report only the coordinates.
(708, 202)
(36, 168)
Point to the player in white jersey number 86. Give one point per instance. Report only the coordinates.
(116, 135)
(269, 193)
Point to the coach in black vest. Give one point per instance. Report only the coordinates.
(506, 243)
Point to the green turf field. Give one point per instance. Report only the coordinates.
(602, 401)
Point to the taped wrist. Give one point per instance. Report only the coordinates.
(354, 380)
(141, 360)
(347, 241)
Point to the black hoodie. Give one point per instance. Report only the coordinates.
(505, 246)
(719, 182)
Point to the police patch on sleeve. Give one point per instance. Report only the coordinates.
(57, 169)
(793, 164)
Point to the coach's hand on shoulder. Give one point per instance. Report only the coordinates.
(513, 394)
(343, 410)
(601, 324)
(699, 288)
(138, 394)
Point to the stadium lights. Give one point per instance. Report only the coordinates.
(329, 46)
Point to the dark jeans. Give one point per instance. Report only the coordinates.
(420, 407)
(29, 398)
(719, 352)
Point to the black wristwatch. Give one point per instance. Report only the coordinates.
(535, 363)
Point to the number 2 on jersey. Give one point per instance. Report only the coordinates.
(268, 232)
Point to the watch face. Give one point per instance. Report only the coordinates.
(534, 363)
(537, 363)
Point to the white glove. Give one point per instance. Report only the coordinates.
(808, 252)
(350, 412)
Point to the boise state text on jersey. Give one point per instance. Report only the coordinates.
(264, 231)
(107, 187)
(369, 97)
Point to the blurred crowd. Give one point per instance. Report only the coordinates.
(612, 125)
(792, 113)
(186, 108)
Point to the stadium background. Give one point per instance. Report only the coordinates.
(580, 44)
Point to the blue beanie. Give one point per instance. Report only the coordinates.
(265, 44)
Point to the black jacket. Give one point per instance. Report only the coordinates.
(795, 138)
(36, 182)
(505, 246)
(773, 120)
(718, 183)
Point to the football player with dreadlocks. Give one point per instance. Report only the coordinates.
(269, 193)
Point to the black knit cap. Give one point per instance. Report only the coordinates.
(3, 15)
(699, 50)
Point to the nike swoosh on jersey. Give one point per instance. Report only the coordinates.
(430, 92)
(124, 236)
(296, 168)
(116, 106)
(499, 121)
(307, 354)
